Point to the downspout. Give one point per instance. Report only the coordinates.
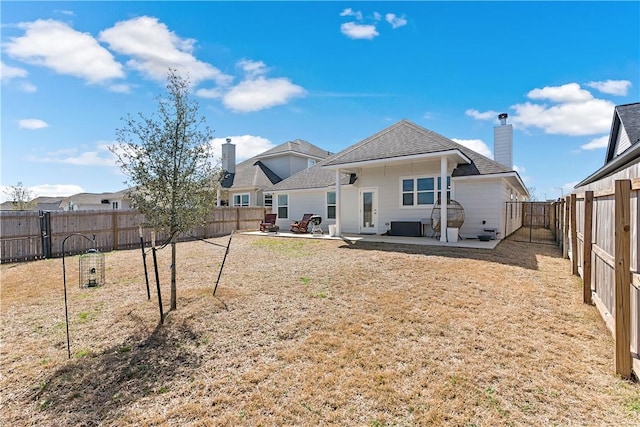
(338, 203)
(443, 199)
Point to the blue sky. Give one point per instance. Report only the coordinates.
(331, 73)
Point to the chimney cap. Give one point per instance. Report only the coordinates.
(502, 116)
(228, 140)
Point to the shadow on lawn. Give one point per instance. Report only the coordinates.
(508, 251)
(97, 387)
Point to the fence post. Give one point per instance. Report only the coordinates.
(114, 223)
(574, 236)
(565, 229)
(586, 249)
(623, 277)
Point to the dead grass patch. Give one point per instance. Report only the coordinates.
(309, 332)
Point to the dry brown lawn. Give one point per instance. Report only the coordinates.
(312, 332)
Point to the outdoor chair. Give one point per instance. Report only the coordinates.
(302, 225)
(269, 223)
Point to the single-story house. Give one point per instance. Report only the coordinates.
(243, 184)
(97, 201)
(395, 177)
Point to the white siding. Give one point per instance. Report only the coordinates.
(623, 142)
(285, 166)
(482, 201)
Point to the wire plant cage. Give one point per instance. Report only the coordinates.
(91, 269)
(455, 215)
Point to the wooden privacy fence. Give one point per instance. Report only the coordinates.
(29, 235)
(601, 232)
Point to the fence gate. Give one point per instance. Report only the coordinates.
(538, 222)
(45, 233)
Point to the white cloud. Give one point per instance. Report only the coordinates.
(252, 68)
(120, 88)
(247, 146)
(359, 31)
(154, 49)
(100, 157)
(57, 46)
(44, 190)
(350, 12)
(7, 72)
(574, 118)
(571, 111)
(476, 145)
(32, 124)
(596, 143)
(519, 169)
(570, 92)
(53, 190)
(611, 87)
(487, 115)
(395, 21)
(210, 93)
(27, 87)
(260, 93)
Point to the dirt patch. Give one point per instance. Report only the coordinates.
(310, 332)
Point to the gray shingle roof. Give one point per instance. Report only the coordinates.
(628, 116)
(313, 177)
(405, 138)
(296, 146)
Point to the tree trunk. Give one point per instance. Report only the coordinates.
(173, 273)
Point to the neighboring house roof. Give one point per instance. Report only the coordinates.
(96, 198)
(625, 117)
(253, 173)
(250, 174)
(405, 138)
(316, 176)
(41, 203)
(299, 146)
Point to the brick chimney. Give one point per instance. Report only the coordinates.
(228, 157)
(503, 142)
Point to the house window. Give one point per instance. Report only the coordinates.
(268, 200)
(331, 205)
(283, 206)
(310, 162)
(114, 205)
(241, 200)
(422, 190)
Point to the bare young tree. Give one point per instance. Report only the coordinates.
(21, 197)
(168, 161)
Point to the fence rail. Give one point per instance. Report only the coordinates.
(22, 235)
(600, 238)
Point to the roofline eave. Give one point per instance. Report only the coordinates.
(461, 158)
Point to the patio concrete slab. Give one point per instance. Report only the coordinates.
(398, 240)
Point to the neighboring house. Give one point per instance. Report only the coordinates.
(243, 184)
(40, 204)
(97, 201)
(396, 175)
(622, 160)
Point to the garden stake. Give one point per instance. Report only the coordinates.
(144, 263)
(223, 260)
(155, 266)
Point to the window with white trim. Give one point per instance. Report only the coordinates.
(268, 200)
(283, 206)
(310, 162)
(331, 205)
(420, 191)
(241, 200)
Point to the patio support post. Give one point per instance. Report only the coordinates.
(443, 199)
(338, 203)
